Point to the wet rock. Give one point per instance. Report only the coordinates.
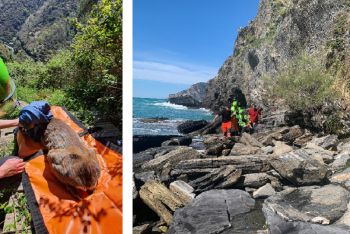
(327, 142)
(299, 168)
(295, 210)
(191, 126)
(211, 212)
(264, 191)
(221, 178)
(248, 163)
(186, 141)
(183, 190)
(172, 158)
(144, 142)
(160, 199)
(281, 148)
(255, 180)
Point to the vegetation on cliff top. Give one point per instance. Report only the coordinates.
(86, 77)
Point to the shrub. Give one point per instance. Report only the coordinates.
(303, 85)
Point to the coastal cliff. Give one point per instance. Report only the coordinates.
(192, 97)
(281, 31)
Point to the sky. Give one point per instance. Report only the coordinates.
(182, 42)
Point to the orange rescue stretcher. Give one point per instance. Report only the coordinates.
(53, 209)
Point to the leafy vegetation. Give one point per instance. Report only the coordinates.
(337, 48)
(18, 206)
(306, 87)
(87, 77)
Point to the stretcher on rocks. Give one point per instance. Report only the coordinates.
(54, 210)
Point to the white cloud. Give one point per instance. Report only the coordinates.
(172, 73)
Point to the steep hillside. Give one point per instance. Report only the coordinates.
(39, 27)
(281, 31)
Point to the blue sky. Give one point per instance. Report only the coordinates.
(181, 42)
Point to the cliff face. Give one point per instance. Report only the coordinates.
(192, 97)
(281, 31)
(37, 27)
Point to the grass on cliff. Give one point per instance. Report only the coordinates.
(305, 86)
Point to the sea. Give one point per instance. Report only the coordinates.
(170, 115)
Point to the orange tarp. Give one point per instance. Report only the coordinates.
(100, 212)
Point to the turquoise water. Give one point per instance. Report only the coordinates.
(161, 108)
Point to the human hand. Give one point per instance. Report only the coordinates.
(11, 167)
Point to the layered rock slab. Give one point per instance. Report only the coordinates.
(304, 209)
(300, 168)
(211, 212)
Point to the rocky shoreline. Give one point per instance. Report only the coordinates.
(277, 180)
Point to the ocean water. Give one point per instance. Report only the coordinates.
(144, 108)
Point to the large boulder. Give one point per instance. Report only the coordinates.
(191, 126)
(299, 168)
(303, 210)
(213, 211)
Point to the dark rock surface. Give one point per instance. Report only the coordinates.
(211, 212)
(303, 209)
(184, 141)
(144, 142)
(192, 97)
(191, 126)
(221, 178)
(299, 168)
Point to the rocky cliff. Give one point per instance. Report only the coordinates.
(281, 31)
(192, 97)
(37, 27)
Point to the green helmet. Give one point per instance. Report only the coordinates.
(7, 86)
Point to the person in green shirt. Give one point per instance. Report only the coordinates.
(10, 166)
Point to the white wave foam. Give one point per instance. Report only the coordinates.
(171, 105)
(205, 110)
